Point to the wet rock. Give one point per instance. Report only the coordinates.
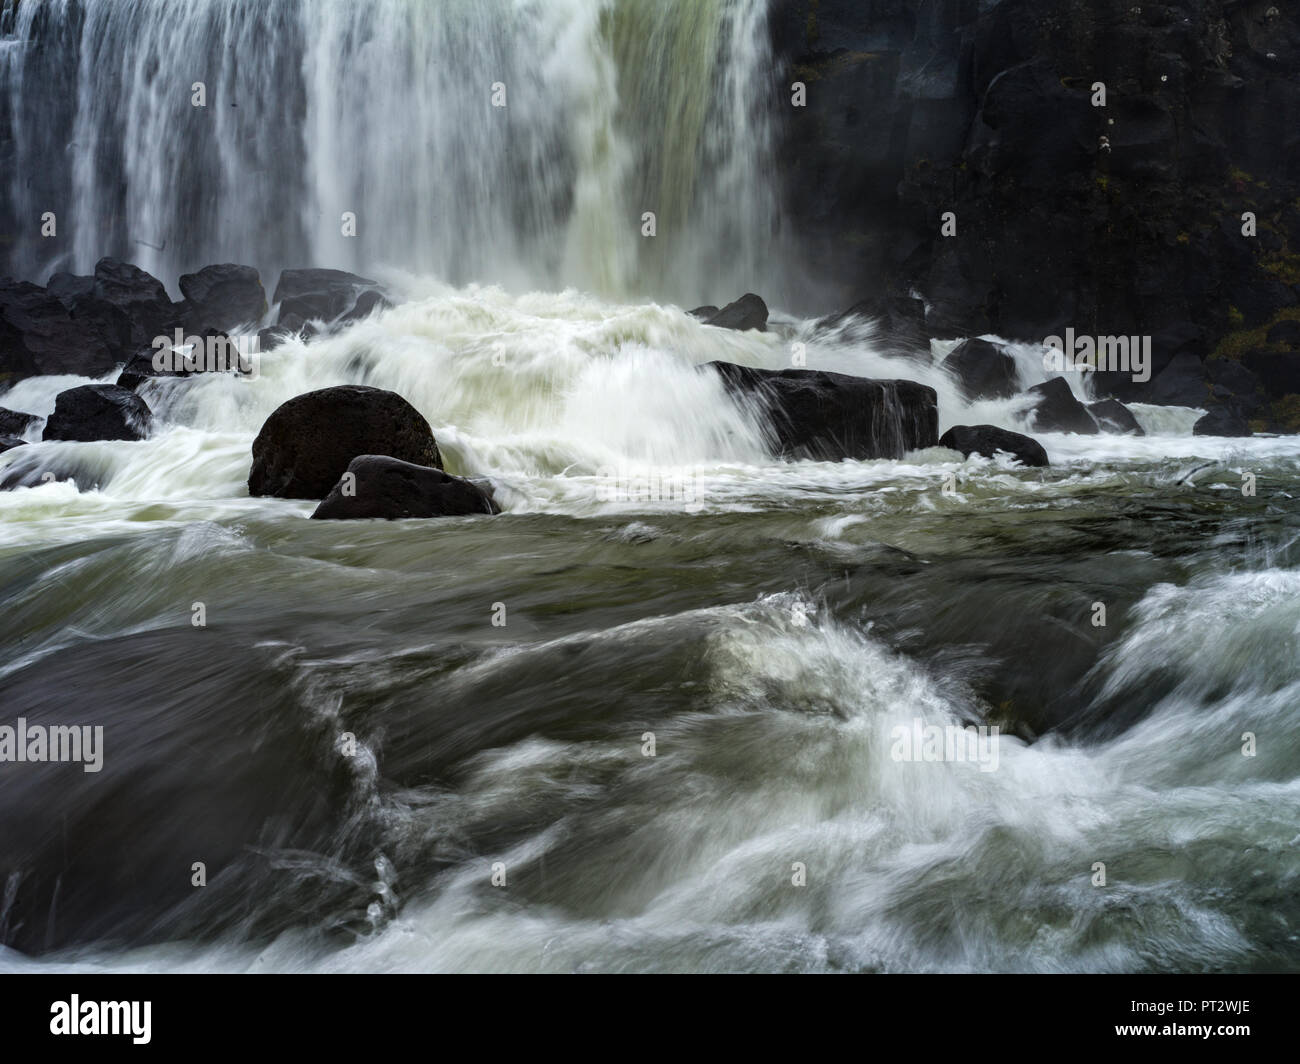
(327, 295)
(38, 337)
(223, 297)
(1057, 409)
(983, 370)
(1113, 416)
(98, 412)
(832, 416)
(137, 296)
(988, 440)
(1183, 382)
(15, 422)
(8, 443)
(703, 313)
(1221, 421)
(383, 487)
(306, 445)
(747, 312)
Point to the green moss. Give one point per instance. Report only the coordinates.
(1286, 413)
(1236, 343)
(1236, 318)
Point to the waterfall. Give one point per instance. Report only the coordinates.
(472, 140)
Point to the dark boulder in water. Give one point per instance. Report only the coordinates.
(135, 295)
(832, 416)
(223, 296)
(15, 422)
(306, 445)
(747, 312)
(98, 412)
(1057, 409)
(383, 487)
(983, 370)
(988, 440)
(1114, 416)
(39, 337)
(1221, 421)
(324, 294)
(8, 443)
(898, 320)
(704, 313)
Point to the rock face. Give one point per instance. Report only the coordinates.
(8, 443)
(98, 412)
(382, 487)
(1057, 409)
(832, 416)
(989, 439)
(15, 422)
(307, 444)
(916, 110)
(747, 312)
(983, 370)
(325, 294)
(1113, 416)
(223, 297)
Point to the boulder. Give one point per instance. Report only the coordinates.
(15, 422)
(1221, 421)
(988, 440)
(8, 443)
(1057, 409)
(140, 297)
(98, 412)
(383, 487)
(1183, 382)
(39, 337)
(833, 416)
(704, 313)
(747, 312)
(306, 445)
(325, 294)
(223, 297)
(898, 320)
(1113, 416)
(983, 370)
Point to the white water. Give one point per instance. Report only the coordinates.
(910, 866)
(384, 108)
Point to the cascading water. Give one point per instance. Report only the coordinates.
(499, 140)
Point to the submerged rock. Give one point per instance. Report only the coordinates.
(98, 412)
(832, 416)
(383, 487)
(306, 445)
(987, 440)
(983, 370)
(1058, 410)
(1113, 416)
(747, 312)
